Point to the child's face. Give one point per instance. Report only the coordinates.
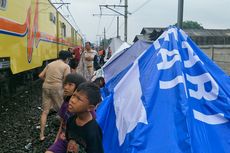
(69, 89)
(79, 103)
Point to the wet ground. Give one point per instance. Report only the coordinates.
(19, 123)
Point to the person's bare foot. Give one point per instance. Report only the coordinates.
(42, 138)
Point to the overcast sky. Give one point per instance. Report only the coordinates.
(213, 14)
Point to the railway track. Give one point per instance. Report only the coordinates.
(20, 118)
(17, 85)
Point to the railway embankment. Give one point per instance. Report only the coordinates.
(19, 123)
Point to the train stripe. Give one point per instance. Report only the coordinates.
(13, 33)
(12, 27)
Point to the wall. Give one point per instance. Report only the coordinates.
(220, 54)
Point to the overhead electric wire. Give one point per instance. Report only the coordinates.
(141, 6)
(114, 32)
(112, 21)
(110, 24)
(78, 28)
(98, 27)
(74, 21)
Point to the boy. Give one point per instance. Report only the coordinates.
(82, 130)
(71, 82)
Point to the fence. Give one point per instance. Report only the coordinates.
(220, 54)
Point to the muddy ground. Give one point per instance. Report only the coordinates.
(19, 123)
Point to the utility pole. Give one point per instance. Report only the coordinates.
(118, 27)
(180, 13)
(104, 39)
(125, 15)
(126, 20)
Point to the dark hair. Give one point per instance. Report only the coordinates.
(88, 43)
(63, 55)
(75, 78)
(91, 91)
(69, 49)
(73, 63)
(100, 82)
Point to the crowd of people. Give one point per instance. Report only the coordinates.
(87, 61)
(69, 90)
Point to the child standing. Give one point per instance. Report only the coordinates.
(82, 130)
(71, 82)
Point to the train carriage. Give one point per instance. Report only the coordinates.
(31, 33)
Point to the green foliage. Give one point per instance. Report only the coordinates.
(191, 25)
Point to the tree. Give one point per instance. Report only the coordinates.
(191, 25)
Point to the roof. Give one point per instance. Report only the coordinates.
(192, 32)
(148, 30)
(152, 33)
(208, 32)
(142, 37)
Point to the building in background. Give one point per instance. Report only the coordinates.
(214, 42)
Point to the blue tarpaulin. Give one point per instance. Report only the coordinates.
(172, 99)
(123, 59)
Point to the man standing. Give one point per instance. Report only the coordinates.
(52, 90)
(85, 66)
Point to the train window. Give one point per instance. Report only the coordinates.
(3, 4)
(52, 18)
(63, 29)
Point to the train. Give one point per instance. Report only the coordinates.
(32, 32)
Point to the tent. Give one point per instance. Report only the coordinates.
(122, 59)
(171, 99)
(116, 45)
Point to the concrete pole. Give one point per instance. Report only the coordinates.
(180, 13)
(104, 39)
(118, 27)
(126, 20)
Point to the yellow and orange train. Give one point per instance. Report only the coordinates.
(32, 32)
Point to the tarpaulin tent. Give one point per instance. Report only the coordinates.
(122, 59)
(172, 99)
(115, 45)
